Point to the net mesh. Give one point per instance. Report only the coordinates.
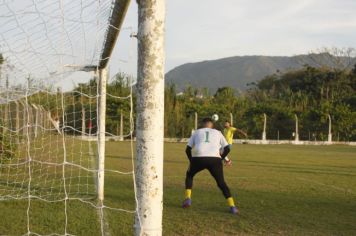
(41, 37)
(48, 130)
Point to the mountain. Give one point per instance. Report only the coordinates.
(238, 71)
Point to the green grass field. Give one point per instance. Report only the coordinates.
(281, 190)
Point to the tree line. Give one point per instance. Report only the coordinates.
(310, 93)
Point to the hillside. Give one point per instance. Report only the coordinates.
(238, 71)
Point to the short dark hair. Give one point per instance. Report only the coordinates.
(226, 121)
(207, 120)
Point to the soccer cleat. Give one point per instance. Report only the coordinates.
(234, 210)
(187, 203)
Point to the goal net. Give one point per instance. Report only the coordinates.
(51, 129)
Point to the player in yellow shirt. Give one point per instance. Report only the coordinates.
(229, 132)
(229, 135)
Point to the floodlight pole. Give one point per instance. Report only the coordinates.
(231, 119)
(330, 137)
(6, 115)
(83, 122)
(264, 136)
(150, 114)
(278, 135)
(195, 120)
(121, 126)
(296, 129)
(43, 117)
(101, 131)
(17, 124)
(36, 119)
(24, 118)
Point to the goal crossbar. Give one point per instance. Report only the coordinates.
(117, 18)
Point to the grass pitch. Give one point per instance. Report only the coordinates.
(280, 189)
(284, 189)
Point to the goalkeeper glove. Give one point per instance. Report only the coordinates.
(227, 161)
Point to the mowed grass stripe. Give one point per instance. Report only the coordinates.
(281, 189)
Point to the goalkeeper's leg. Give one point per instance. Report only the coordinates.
(195, 166)
(216, 170)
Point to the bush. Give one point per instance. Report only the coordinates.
(7, 148)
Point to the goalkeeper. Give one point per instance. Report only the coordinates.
(207, 143)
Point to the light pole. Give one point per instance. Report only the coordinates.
(330, 137)
(264, 136)
(296, 140)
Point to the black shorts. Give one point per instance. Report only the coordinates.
(214, 166)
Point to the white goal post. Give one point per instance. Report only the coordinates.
(46, 132)
(150, 114)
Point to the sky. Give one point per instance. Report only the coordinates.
(45, 36)
(208, 29)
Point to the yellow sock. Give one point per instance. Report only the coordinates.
(230, 202)
(188, 193)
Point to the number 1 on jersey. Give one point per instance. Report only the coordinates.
(207, 137)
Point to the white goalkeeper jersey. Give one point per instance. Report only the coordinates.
(207, 142)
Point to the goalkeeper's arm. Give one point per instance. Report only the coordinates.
(225, 152)
(188, 151)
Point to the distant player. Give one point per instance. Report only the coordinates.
(229, 133)
(207, 143)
